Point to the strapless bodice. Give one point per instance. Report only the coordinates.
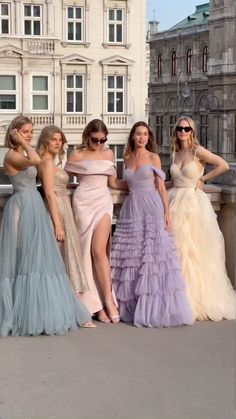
(186, 177)
(61, 180)
(24, 180)
(142, 179)
(92, 173)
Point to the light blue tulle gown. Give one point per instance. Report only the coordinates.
(35, 293)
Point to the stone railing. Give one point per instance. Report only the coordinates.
(222, 198)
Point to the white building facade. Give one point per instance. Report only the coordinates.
(66, 62)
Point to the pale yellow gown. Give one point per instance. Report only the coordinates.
(200, 245)
(91, 201)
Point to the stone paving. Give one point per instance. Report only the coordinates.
(119, 371)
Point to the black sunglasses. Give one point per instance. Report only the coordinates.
(97, 141)
(186, 129)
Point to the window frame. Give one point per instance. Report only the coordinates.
(159, 65)
(116, 90)
(47, 93)
(5, 17)
(189, 61)
(205, 51)
(114, 148)
(159, 129)
(11, 92)
(173, 63)
(33, 19)
(74, 90)
(115, 23)
(75, 20)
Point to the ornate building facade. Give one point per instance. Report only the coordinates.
(193, 72)
(69, 61)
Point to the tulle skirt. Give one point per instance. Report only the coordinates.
(200, 246)
(35, 293)
(146, 273)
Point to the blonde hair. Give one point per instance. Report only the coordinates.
(175, 144)
(17, 123)
(130, 146)
(45, 136)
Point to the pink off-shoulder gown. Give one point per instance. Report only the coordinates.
(91, 201)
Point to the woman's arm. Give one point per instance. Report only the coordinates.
(46, 171)
(160, 185)
(220, 165)
(18, 161)
(115, 183)
(169, 184)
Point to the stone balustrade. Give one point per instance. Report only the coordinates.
(223, 200)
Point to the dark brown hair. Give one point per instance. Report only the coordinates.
(151, 144)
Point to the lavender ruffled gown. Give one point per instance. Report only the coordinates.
(146, 273)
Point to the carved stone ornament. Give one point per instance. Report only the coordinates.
(218, 3)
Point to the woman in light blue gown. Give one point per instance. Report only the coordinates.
(35, 293)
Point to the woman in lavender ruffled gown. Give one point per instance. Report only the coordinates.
(146, 273)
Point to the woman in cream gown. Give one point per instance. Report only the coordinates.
(199, 240)
(92, 206)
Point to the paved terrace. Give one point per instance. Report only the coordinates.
(120, 371)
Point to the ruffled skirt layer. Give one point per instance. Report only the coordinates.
(200, 246)
(35, 293)
(145, 269)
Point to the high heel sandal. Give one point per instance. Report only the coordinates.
(102, 317)
(88, 325)
(115, 318)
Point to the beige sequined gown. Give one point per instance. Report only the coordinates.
(91, 200)
(71, 246)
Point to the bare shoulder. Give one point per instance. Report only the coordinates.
(76, 155)
(109, 155)
(155, 159)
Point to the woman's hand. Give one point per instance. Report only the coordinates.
(18, 138)
(167, 223)
(199, 185)
(59, 233)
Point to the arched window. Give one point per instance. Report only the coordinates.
(189, 61)
(159, 65)
(173, 63)
(204, 58)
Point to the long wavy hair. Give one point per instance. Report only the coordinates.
(96, 125)
(130, 146)
(16, 123)
(45, 136)
(175, 143)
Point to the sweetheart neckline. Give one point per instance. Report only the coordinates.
(186, 164)
(145, 164)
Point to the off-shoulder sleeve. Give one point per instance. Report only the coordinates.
(159, 172)
(73, 168)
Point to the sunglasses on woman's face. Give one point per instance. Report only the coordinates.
(98, 141)
(186, 129)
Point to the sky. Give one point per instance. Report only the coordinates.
(170, 12)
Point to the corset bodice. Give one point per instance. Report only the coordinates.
(25, 180)
(92, 173)
(186, 177)
(143, 178)
(61, 180)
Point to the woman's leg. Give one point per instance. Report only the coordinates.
(102, 266)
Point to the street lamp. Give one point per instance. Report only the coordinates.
(185, 93)
(211, 101)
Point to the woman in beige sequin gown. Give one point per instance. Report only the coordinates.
(92, 206)
(55, 182)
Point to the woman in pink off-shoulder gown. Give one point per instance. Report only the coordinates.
(92, 206)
